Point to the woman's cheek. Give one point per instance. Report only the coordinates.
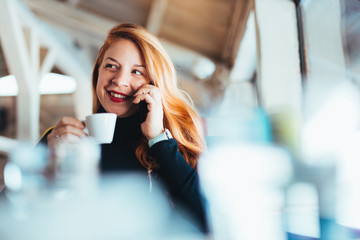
(136, 85)
(139, 83)
(98, 92)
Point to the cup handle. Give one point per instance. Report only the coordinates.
(86, 130)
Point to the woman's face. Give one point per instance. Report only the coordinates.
(121, 73)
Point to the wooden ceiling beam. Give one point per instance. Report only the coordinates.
(85, 26)
(156, 15)
(242, 9)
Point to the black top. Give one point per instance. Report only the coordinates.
(178, 177)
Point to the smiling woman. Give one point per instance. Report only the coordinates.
(132, 69)
(121, 74)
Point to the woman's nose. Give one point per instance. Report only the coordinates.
(121, 80)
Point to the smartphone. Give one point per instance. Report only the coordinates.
(143, 110)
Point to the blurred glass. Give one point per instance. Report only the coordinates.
(24, 176)
(75, 167)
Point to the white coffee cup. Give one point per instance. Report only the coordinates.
(101, 126)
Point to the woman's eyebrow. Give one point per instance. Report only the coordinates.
(112, 59)
(137, 65)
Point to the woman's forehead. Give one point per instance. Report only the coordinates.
(124, 49)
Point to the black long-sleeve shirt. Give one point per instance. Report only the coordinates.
(178, 177)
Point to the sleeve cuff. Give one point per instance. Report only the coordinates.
(166, 135)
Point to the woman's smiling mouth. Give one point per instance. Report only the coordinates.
(117, 97)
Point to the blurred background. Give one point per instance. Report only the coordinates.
(297, 61)
(212, 43)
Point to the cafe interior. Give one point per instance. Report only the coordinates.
(275, 82)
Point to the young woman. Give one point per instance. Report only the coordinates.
(133, 69)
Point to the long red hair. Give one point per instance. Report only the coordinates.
(180, 116)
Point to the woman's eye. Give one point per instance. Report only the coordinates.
(111, 66)
(137, 72)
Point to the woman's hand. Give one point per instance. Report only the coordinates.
(66, 129)
(153, 124)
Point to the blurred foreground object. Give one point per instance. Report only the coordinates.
(61, 195)
(244, 186)
(243, 176)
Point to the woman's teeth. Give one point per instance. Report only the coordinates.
(117, 95)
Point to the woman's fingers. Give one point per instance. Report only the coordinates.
(69, 129)
(69, 125)
(70, 121)
(147, 90)
(153, 125)
(66, 129)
